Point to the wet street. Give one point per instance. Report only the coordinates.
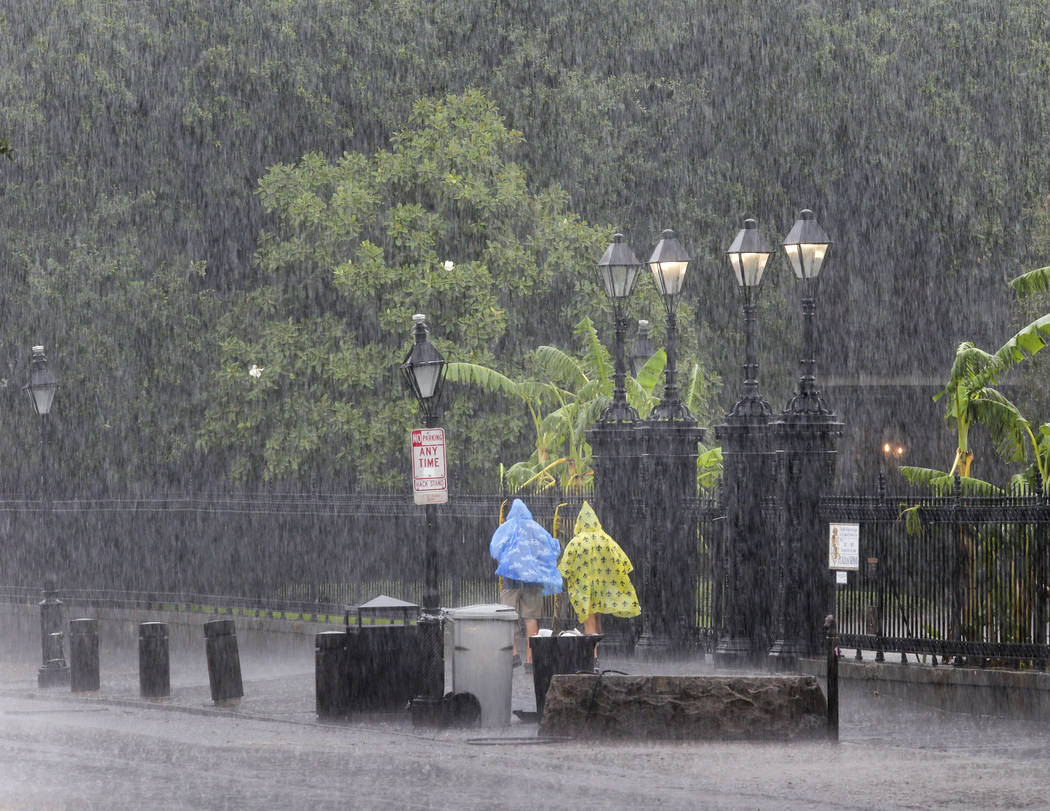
(114, 750)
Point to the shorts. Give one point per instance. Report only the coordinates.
(526, 598)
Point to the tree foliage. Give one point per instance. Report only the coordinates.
(443, 223)
(142, 129)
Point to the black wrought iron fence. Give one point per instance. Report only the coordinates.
(958, 575)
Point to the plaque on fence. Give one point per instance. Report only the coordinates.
(844, 546)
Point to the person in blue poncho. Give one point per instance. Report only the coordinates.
(528, 563)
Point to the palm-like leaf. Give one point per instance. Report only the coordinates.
(945, 481)
(1032, 282)
(473, 374)
(1009, 428)
(561, 367)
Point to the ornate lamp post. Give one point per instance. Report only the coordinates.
(668, 264)
(613, 441)
(41, 388)
(750, 547)
(748, 256)
(617, 270)
(807, 433)
(424, 371)
(670, 444)
(806, 245)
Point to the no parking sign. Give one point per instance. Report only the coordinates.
(429, 479)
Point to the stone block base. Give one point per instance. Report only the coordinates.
(685, 707)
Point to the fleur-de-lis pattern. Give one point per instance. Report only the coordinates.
(596, 571)
(525, 550)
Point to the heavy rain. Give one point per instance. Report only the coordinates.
(297, 296)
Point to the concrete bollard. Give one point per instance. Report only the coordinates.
(54, 672)
(83, 655)
(331, 674)
(154, 664)
(224, 663)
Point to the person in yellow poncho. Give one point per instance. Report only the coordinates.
(596, 573)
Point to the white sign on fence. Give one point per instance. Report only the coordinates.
(844, 546)
(429, 480)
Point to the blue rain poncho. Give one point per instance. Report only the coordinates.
(526, 551)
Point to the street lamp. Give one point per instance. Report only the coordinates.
(41, 388)
(807, 433)
(617, 270)
(424, 371)
(748, 256)
(747, 459)
(668, 264)
(806, 245)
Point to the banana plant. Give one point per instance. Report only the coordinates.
(972, 399)
(567, 399)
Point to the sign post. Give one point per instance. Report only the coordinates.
(429, 477)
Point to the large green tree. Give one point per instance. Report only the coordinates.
(444, 223)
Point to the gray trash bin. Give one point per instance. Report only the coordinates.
(483, 658)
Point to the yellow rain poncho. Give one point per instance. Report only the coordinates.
(596, 571)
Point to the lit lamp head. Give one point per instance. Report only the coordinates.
(806, 246)
(669, 263)
(617, 271)
(424, 369)
(42, 383)
(748, 256)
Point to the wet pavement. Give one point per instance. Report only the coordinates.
(115, 750)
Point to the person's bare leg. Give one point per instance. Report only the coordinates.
(593, 625)
(532, 627)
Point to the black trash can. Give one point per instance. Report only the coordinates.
(154, 664)
(83, 655)
(331, 675)
(558, 655)
(224, 661)
(384, 667)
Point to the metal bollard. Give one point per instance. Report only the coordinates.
(331, 674)
(224, 663)
(154, 664)
(833, 679)
(83, 655)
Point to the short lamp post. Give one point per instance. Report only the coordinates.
(617, 270)
(807, 433)
(424, 372)
(750, 545)
(669, 263)
(806, 246)
(41, 388)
